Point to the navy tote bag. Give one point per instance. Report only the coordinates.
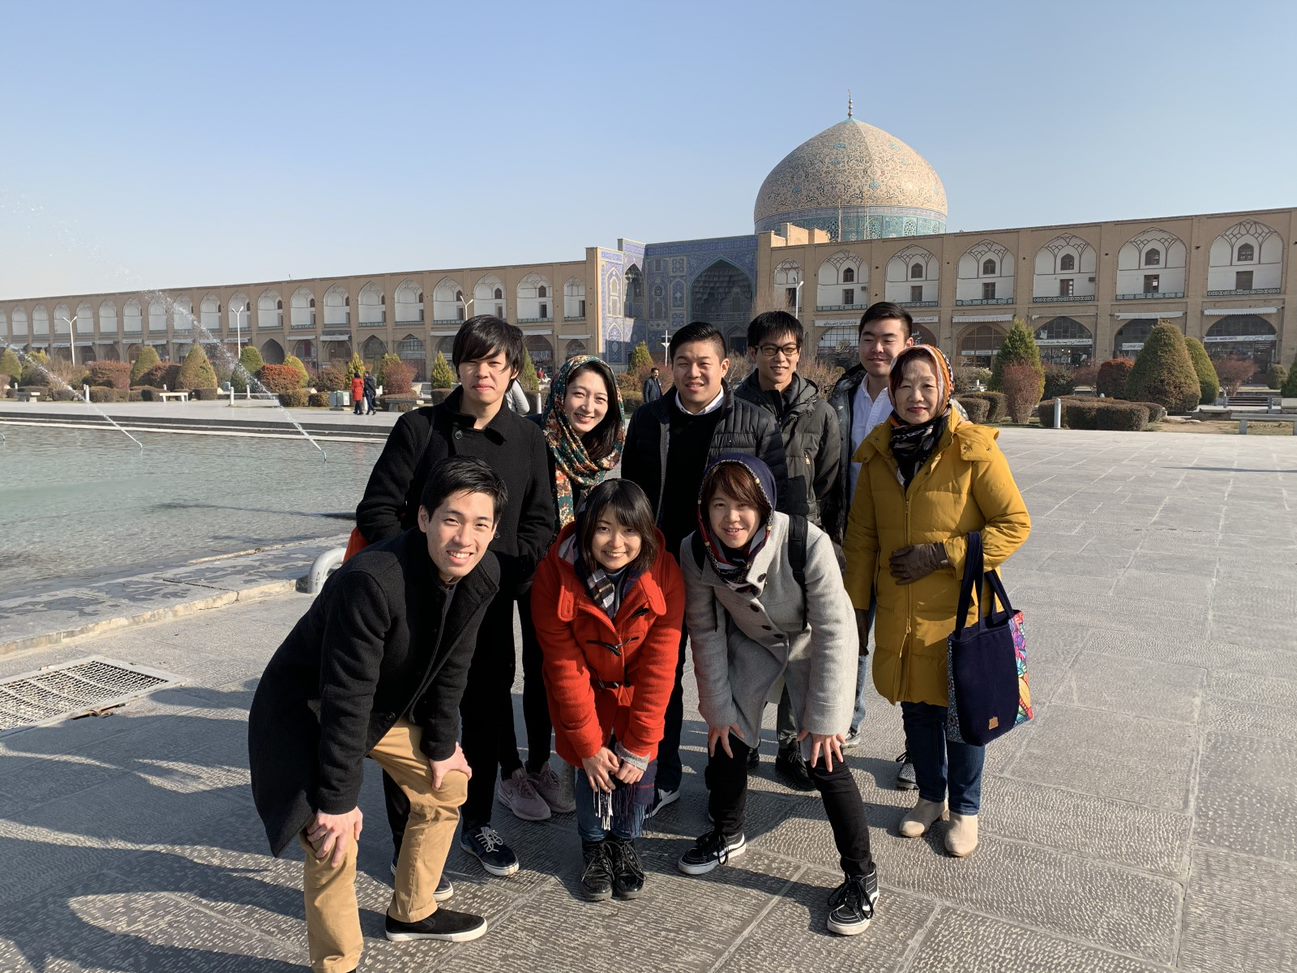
(989, 690)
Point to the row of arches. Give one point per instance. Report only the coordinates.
(1247, 257)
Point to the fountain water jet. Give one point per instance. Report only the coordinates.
(55, 380)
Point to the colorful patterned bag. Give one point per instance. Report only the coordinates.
(990, 692)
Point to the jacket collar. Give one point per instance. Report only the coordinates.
(497, 429)
(846, 386)
(573, 597)
(798, 398)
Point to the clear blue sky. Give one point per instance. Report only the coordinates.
(185, 143)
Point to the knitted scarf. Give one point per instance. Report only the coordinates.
(572, 463)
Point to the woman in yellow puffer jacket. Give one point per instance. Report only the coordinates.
(928, 479)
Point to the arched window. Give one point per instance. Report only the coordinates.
(916, 272)
(542, 291)
(499, 294)
(848, 275)
(1246, 253)
(988, 268)
(1152, 257)
(1067, 262)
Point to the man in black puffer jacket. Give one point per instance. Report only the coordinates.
(669, 444)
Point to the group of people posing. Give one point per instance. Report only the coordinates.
(764, 526)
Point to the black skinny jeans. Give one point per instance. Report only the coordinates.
(728, 778)
(670, 770)
(486, 718)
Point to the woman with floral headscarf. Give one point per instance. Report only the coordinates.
(584, 430)
(928, 478)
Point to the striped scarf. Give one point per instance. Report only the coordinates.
(572, 464)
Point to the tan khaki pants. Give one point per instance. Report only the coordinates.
(332, 916)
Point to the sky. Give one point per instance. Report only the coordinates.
(183, 143)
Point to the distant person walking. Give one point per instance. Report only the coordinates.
(371, 393)
(928, 479)
(653, 386)
(358, 395)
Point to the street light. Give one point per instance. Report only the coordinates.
(238, 327)
(797, 301)
(666, 348)
(72, 338)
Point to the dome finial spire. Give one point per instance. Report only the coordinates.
(848, 102)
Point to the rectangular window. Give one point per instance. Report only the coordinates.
(1065, 287)
(1152, 283)
(544, 312)
(916, 292)
(790, 293)
(988, 292)
(581, 308)
(459, 312)
(499, 310)
(1243, 280)
(848, 296)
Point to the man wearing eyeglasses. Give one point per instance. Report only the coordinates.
(812, 447)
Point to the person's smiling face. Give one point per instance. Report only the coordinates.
(918, 394)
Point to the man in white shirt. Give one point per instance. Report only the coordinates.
(862, 403)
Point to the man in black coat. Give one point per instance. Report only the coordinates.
(473, 421)
(674, 439)
(377, 667)
(653, 386)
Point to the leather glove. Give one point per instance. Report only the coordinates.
(909, 564)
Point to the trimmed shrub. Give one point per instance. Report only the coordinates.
(1163, 372)
(355, 368)
(1087, 374)
(196, 372)
(1019, 348)
(397, 403)
(632, 400)
(148, 359)
(442, 375)
(318, 400)
(641, 361)
(111, 374)
(380, 373)
(398, 378)
(967, 377)
(1021, 391)
(1289, 388)
(332, 378)
(138, 395)
(294, 398)
(163, 375)
(1208, 380)
(205, 395)
(10, 365)
(997, 405)
(527, 374)
(976, 407)
(1096, 414)
(280, 379)
(1113, 376)
(252, 363)
(106, 393)
(1058, 381)
(1275, 376)
(1234, 372)
(1156, 411)
(63, 395)
(303, 376)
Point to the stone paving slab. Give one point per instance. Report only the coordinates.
(1143, 822)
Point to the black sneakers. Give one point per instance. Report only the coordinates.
(627, 871)
(445, 925)
(445, 889)
(792, 769)
(851, 904)
(486, 845)
(661, 798)
(710, 850)
(597, 879)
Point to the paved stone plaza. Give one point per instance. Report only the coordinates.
(1144, 822)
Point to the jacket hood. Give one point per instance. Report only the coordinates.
(765, 479)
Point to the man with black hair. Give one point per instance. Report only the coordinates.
(862, 402)
(376, 667)
(676, 437)
(812, 450)
(653, 385)
(474, 421)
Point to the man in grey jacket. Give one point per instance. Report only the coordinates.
(812, 452)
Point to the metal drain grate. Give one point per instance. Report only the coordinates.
(58, 692)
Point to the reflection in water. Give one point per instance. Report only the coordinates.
(76, 503)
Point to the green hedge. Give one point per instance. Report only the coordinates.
(295, 399)
(977, 408)
(105, 393)
(397, 403)
(997, 404)
(1096, 414)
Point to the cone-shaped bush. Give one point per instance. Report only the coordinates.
(196, 371)
(1208, 380)
(295, 363)
(148, 360)
(443, 376)
(10, 365)
(1164, 373)
(641, 359)
(1019, 348)
(527, 376)
(356, 367)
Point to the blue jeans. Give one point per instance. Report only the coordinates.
(942, 765)
(588, 826)
(862, 674)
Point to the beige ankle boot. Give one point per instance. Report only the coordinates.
(961, 836)
(924, 815)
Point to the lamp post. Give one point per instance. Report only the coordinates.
(72, 338)
(797, 301)
(238, 329)
(666, 348)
